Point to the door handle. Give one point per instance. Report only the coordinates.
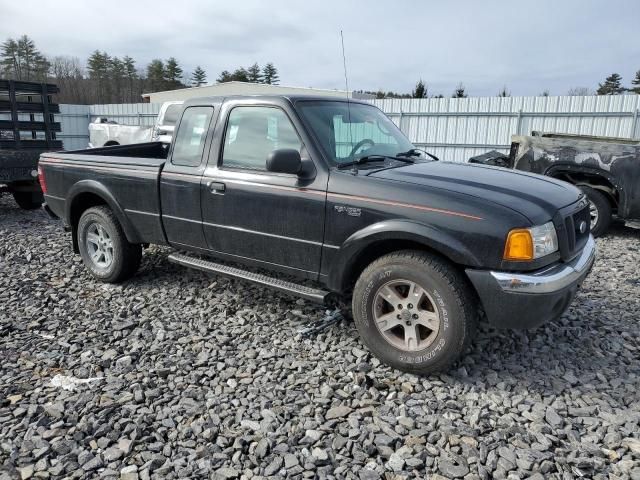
(216, 187)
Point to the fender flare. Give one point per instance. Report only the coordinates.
(553, 170)
(434, 239)
(619, 189)
(97, 188)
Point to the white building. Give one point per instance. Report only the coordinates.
(243, 88)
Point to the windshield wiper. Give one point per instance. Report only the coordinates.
(373, 158)
(415, 152)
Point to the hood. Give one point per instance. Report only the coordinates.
(536, 197)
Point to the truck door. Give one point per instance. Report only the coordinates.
(250, 214)
(180, 179)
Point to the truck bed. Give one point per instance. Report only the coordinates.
(128, 173)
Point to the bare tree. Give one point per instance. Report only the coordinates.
(69, 74)
(504, 92)
(580, 92)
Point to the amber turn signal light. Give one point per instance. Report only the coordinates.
(519, 245)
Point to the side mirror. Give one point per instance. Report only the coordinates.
(285, 160)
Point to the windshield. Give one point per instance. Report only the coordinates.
(348, 132)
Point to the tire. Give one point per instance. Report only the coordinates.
(600, 209)
(445, 294)
(104, 248)
(28, 200)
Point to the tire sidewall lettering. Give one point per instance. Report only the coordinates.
(433, 351)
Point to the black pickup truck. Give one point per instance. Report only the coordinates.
(330, 191)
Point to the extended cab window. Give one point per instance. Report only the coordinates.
(189, 143)
(253, 133)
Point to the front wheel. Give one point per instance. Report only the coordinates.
(599, 210)
(414, 311)
(104, 248)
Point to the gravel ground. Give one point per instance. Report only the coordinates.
(189, 375)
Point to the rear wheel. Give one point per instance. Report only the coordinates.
(599, 209)
(414, 311)
(28, 200)
(104, 248)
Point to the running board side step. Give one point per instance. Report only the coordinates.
(313, 294)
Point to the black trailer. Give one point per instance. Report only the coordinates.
(27, 129)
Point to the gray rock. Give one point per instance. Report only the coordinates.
(274, 466)
(262, 449)
(395, 462)
(552, 417)
(226, 473)
(450, 470)
(93, 464)
(290, 460)
(338, 412)
(26, 472)
(129, 473)
(321, 455)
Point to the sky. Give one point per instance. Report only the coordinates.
(527, 46)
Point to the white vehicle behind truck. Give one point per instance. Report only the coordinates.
(105, 133)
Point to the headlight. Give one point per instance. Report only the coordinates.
(530, 243)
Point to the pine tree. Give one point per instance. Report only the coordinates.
(636, 83)
(156, 76)
(173, 74)
(420, 91)
(270, 74)
(240, 75)
(459, 92)
(611, 86)
(131, 76)
(254, 75)
(116, 77)
(21, 60)
(198, 77)
(98, 65)
(224, 76)
(11, 66)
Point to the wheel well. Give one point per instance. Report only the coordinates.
(81, 203)
(111, 143)
(379, 249)
(595, 181)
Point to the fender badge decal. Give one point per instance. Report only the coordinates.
(351, 211)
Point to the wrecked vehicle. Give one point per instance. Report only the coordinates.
(607, 169)
(105, 133)
(331, 191)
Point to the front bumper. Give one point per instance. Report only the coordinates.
(527, 300)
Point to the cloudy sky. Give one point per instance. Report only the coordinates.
(529, 46)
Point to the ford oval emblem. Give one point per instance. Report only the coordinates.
(583, 227)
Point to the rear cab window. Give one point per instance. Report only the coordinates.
(190, 139)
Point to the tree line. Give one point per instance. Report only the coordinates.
(104, 78)
(611, 86)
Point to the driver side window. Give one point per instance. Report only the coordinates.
(252, 133)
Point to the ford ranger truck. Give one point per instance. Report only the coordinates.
(330, 192)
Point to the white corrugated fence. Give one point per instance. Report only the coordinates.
(452, 128)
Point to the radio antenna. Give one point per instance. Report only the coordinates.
(346, 84)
